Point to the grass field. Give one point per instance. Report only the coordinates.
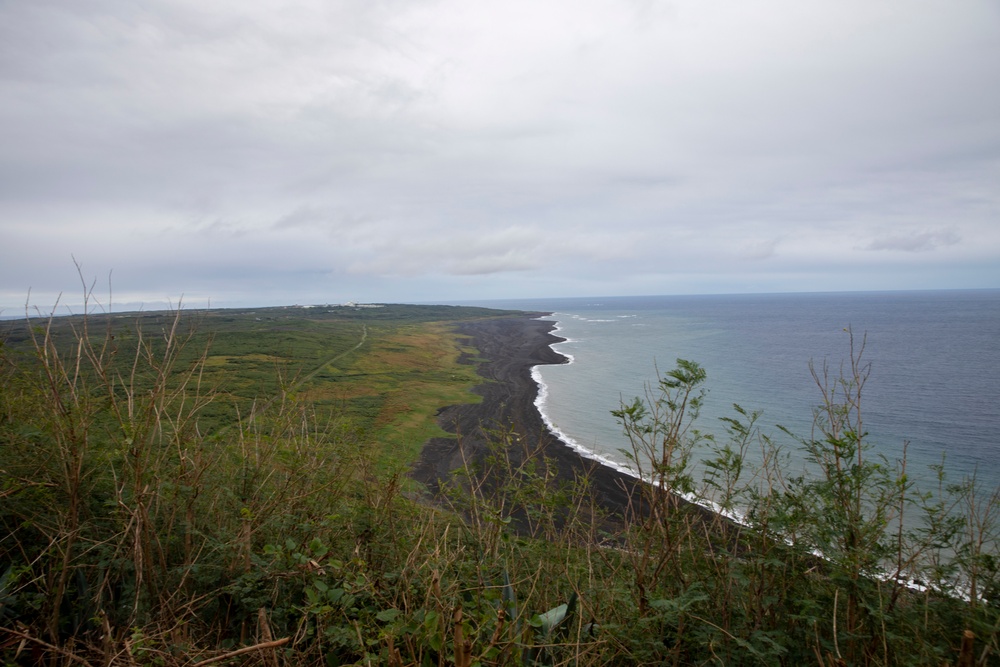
(388, 370)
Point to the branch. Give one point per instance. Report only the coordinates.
(72, 656)
(246, 649)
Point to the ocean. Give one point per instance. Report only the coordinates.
(934, 355)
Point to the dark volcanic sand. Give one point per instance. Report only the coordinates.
(511, 346)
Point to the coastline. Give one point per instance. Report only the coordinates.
(509, 348)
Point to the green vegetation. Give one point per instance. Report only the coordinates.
(229, 488)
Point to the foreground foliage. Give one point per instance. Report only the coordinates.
(139, 526)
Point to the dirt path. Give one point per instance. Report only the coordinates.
(338, 357)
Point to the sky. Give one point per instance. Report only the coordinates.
(274, 152)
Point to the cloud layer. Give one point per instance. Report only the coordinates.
(276, 152)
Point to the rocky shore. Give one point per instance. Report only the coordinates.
(508, 349)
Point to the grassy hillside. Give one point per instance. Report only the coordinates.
(385, 370)
(229, 487)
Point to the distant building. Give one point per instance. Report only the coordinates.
(352, 304)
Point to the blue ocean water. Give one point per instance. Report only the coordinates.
(934, 382)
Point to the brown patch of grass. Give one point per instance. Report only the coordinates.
(218, 360)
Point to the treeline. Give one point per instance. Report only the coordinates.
(131, 534)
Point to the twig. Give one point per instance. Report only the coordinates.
(69, 654)
(246, 649)
(836, 644)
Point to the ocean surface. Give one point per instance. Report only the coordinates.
(934, 355)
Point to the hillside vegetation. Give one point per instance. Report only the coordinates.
(229, 487)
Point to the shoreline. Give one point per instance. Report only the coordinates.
(509, 348)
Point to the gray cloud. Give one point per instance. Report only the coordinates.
(281, 151)
(915, 241)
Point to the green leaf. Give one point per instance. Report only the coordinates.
(388, 615)
(551, 619)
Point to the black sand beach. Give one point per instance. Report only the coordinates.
(511, 346)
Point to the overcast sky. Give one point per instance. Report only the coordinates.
(258, 152)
